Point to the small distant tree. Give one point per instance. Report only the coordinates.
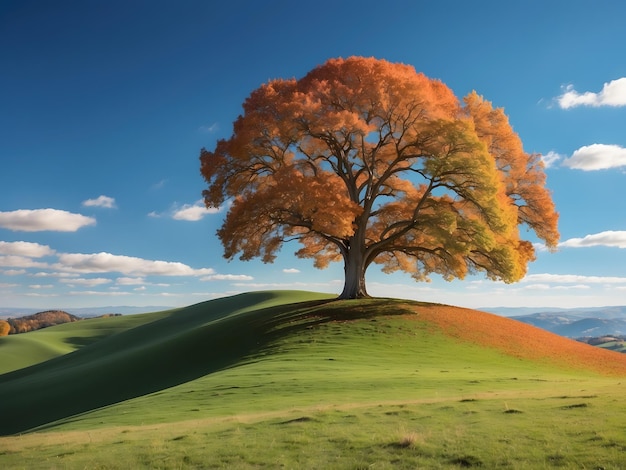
(5, 328)
(366, 161)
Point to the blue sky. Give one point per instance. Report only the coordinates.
(104, 107)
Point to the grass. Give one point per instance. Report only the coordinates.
(291, 379)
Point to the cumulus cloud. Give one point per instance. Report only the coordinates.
(291, 271)
(597, 157)
(28, 249)
(612, 238)
(613, 93)
(129, 265)
(193, 212)
(574, 279)
(15, 261)
(100, 201)
(41, 286)
(227, 277)
(39, 220)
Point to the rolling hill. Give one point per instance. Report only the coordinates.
(163, 350)
(290, 357)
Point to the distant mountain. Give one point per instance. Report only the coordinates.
(580, 312)
(519, 311)
(592, 327)
(578, 322)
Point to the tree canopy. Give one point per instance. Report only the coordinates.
(366, 161)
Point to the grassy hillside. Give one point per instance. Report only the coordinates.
(294, 378)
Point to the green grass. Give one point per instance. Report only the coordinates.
(291, 379)
(23, 350)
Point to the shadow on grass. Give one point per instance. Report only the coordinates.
(191, 343)
(82, 341)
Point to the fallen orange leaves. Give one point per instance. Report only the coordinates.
(520, 339)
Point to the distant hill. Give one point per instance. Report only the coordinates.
(39, 320)
(83, 312)
(614, 343)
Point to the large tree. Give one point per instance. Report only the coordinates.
(366, 161)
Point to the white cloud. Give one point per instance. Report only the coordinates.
(227, 277)
(107, 262)
(96, 281)
(574, 278)
(284, 285)
(597, 157)
(537, 287)
(39, 220)
(14, 272)
(613, 94)
(291, 271)
(100, 201)
(28, 249)
(209, 129)
(193, 212)
(15, 261)
(574, 287)
(610, 238)
(540, 247)
(130, 281)
(100, 293)
(62, 275)
(550, 158)
(41, 286)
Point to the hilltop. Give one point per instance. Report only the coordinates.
(300, 358)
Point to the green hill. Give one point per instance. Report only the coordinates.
(297, 377)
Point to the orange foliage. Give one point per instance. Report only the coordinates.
(371, 162)
(520, 339)
(39, 320)
(4, 328)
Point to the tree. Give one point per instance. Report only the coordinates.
(366, 161)
(5, 328)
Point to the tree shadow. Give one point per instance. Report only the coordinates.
(192, 343)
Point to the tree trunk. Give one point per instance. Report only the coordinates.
(354, 269)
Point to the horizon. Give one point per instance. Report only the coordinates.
(106, 108)
(5, 312)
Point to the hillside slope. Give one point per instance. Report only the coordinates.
(285, 347)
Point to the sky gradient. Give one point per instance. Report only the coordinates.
(104, 107)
